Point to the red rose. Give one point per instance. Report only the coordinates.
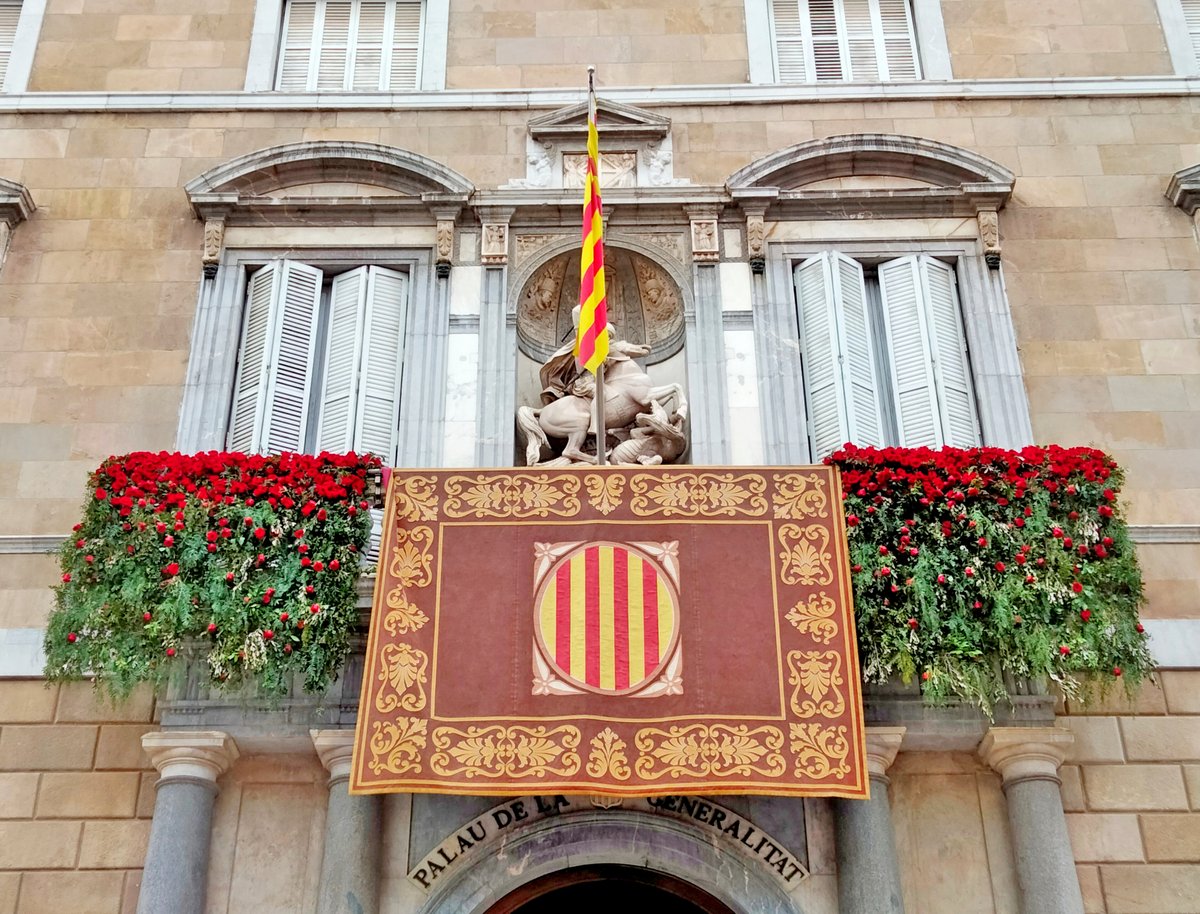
(852, 520)
(335, 565)
(321, 515)
(248, 521)
(170, 652)
(211, 536)
(1000, 566)
(883, 550)
(1140, 628)
(1064, 650)
(283, 617)
(318, 566)
(160, 527)
(67, 578)
(1068, 542)
(259, 533)
(171, 569)
(268, 634)
(229, 576)
(72, 637)
(912, 623)
(212, 627)
(969, 571)
(1077, 587)
(168, 540)
(941, 579)
(101, 495)
(305, 562)
(1085, 614)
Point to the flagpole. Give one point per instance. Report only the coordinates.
(601, 431)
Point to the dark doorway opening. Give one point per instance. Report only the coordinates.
(609, 890)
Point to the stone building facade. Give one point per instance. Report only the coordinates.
(1049, 153)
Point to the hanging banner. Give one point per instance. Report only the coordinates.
(618, 631)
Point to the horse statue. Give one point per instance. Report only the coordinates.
(629, 395)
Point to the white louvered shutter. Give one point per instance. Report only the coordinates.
(951, 366)
(1191, 15)
(904, 318)
(844, 40)
(361, 393)
(339, 394)
(930, 372)
(249, 390)
(10, 14)
(382, 356)
(289, 380)
(350, 45)
(275, 360)
(839, 362)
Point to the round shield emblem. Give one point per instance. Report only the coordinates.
(606, 618)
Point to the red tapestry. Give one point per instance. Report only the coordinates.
(618, 631)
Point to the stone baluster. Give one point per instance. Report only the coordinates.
(868, 869)
(353, 833)
(175, 878)
(1027, 759)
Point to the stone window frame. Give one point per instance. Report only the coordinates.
(237, 194)
(20, 63)
(961, 184)
(267, 32)
(1184, 59)
(933, 49)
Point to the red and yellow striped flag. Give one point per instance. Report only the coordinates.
(591, 340)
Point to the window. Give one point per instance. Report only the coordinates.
(1191, 16)
(843, 40)
(884, 353)
(319, 362)
(350, 45)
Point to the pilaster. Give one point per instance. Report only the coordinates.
(350, 864)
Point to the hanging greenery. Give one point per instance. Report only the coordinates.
(254, 558)
(972, 564)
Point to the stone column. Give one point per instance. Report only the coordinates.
(353, 834)
(1027, 759)
(868, 870)
(189, 762)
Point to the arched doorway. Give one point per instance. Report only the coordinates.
(609, 888)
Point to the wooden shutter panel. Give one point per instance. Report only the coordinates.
(904, 316)
(863, 410)
(297, 48)
(404, 71)
(818, 341)
(898, 39)
(296, 302)
(1191, 15)
(10, 15)
(790, 58)
(951, 366)
(249, 390)
(839, 359)
(334, 27)
(382, 354)
(826, 29)
(339, 391)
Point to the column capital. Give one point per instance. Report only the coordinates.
(335, 748)
(883, 745)
(202, 755)
(1026, 753)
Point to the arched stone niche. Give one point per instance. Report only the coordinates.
(612, 837)
(644, 304)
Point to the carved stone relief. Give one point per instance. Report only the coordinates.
(214, 239)
(644, 304)
(756, 234)
(704, 240)
(495, 243)
(528, 245)
(617, 169)
(989, 234)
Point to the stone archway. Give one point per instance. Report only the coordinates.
(617, 888)
(614, 838)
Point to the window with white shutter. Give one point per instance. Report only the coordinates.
(1191, 15)
(843, 40)
(350, 45)
(320, 361)
(884, 354)
(10, 15)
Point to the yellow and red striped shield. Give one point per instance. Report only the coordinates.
(607, 618)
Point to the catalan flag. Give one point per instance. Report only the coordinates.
(591, 340)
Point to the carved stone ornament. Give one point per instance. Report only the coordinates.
(495, 244)
(214, 238)
(704, 240)
(989, 234)
(617, 169)
(528, 245)
(755, 242)
(445, 245)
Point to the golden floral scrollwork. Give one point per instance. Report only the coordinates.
(701, 750)
(403, 617)
(411, 559)
(805, 554)
(605, 492)
(396, 745)
(820, 751)
(415, 498)
(517, 495)
(798, 496)
(815, 617)
(499, 751)
(608, 756)
(402, 678)
(819, 674)
(695, 494)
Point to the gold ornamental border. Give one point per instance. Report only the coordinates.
(819, 755)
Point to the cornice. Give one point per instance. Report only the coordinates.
(737, 94)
